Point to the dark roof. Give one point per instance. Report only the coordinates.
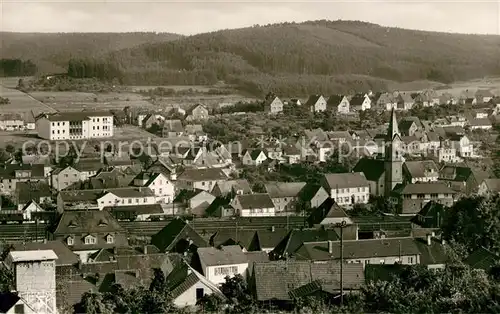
(227, 187)
(8, 171)
(64, 255)
(334, 100)
(421, 168)
(275, 280)
(309, 191)
(493, 184)
(383, 272)
(430, 216)
(77, 116)
(257, 200)
(357, 100)
(284, 189)
(434, 254)
(255, 153)
(208, 174)
(7, 301)
(295, 238)
(137, 209)
(87, 221)
(359, 249)
(91, 164)
(373, 169)
(482, 258)
(427, 188)
(312, 100)
(173, 126)
(177, 232)
(32, 190)
(346, 180)
(455, 173)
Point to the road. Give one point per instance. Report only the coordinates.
(31, 232)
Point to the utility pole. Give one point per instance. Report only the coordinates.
(341, 225)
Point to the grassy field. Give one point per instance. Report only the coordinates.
(21, 103)
(11, 82)
(77, 101)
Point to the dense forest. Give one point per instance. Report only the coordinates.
(52, 51)
(17, 67)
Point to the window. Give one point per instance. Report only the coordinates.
(225, 271)
(137, 200)
(109, 239)
(410, 259)
(19, 308)
(70, 241)
(145, 200)
(130, 201)
(89, 240)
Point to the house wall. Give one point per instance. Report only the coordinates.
(318, 199)
(188, 298)
(405, 259)
(344, 196)
(209, 272)
(43, 128)
(163, 189)
(112, 200)
(36, 283)
(412, 204)
(276, 106)
(343, 106)
(259, 212)
(320, 105)
(65, 178)
(99, 127)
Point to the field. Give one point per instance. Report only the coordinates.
(77, 101)
(21, 103)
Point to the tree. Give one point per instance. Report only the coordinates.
(239, 297)
(93, 303)
(6, 280)
(10, 149)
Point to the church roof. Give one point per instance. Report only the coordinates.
(393, 126)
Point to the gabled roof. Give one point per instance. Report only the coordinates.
(173, 126)
(312, 100)
(492, 184)
(32, 190)
(346, 180)
(334, 101)
(177, 230)
(257, 200)
(184, 277)
(275, 280)
(87, 221)
(295, 238)
(284, 189)
(255, 153)
(357, 100)
(430, 216)
(373, 169)
(227, 187)
(8, 171)
(427, 188)
(433, 254)
(208, 174)
(421, 168)
(227, 255)
(480, 122)
(64, 255)
(482, 258)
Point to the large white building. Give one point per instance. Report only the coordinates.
(75, 125)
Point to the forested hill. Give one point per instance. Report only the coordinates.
(321, 55)
(52, 51)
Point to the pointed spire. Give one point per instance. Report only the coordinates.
(393, 126)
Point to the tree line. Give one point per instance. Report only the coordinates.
(17, 67)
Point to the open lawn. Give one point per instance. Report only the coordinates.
(21, 103)
(199, 88)
(11, 82)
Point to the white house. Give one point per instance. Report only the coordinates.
(254, 205)
(75, 125)
(253, 157)
(361, 102)
(339, 104)
(219, 263)
(316, 103)
(162, 187)
(126, 197)
(489, 187)
(347, 189)
(463, 145)
(274, 105)
(11, 122)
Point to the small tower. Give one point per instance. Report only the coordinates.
(393, 156)
(35, 278)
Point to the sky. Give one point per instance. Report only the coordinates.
(192, 17)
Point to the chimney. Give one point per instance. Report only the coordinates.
(80, 264)
(115, 251)
(272, 229)
(433, 234)
(146, 249)
(330, 246)
(173, 175)
(429, 239)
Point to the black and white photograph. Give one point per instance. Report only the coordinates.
(226, 156)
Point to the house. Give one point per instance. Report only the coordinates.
(374, 172)
(253, 157)
(457, 120)
(152, 119)
(364, 252)
(420, 171)
(75, 125)
(88, 167)
(253, 205)
(160, 184)
(484, 95)
(202, 179)
(414, 196)
(140, 212)
(295, 238)
(187, 286)
(312, 196)
(27, 192)
(461, 179)
(446, 154)
(386, 101)
(62, 178)
(347, 189)
(216, 264)
(199, 202)
(283, 282)
(195, 132)
(360, 102)
(285, 195)
(483, 259)
(316, 103)
(65, 257)
(11, 122)
(11, 174)
(338, 104)
(295, 102)
(86, 232)
(178, 236)
(409, 126)
(489, 187)
(273, 104)
(197, 113)
(480, 124)
(231, 188)
(431, 216)
(404, 101)
(462, 144)
(330, 214)
(172, 128)
(433, 253)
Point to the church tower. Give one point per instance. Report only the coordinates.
(393, 162)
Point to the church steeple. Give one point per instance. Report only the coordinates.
(393, 126)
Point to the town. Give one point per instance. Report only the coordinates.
(206, 198)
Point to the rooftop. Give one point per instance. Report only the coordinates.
(30, 256)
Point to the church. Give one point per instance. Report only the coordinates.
(392, 178)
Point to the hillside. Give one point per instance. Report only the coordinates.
(319, 56)
(52, 51)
